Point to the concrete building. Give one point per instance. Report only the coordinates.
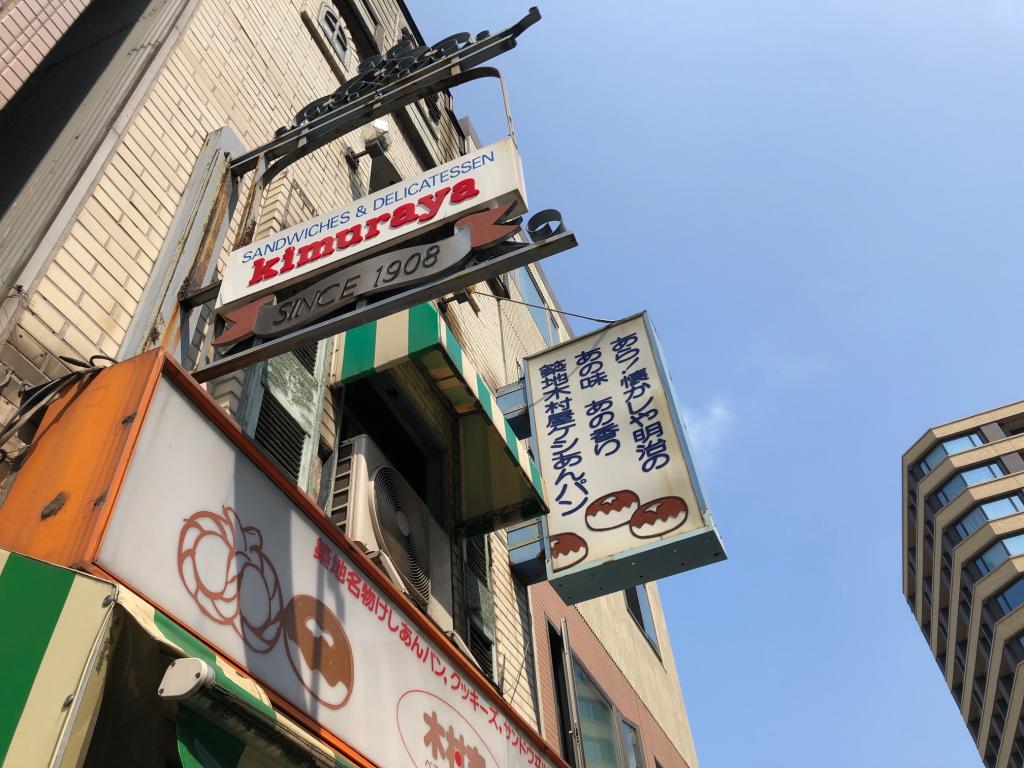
(108, 107)
(963, 492)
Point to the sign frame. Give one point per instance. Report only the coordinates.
(546, 245)
(445, 193)
(659, 558)
(115, 403)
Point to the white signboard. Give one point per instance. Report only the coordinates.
(487, 177)
(626, 505)
(204, 534)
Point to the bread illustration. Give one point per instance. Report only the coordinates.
(658, 517)
(319, 650)
(611, 510)
(567, 549)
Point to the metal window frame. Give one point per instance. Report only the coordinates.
(337, 35)
(616, 713)
(655, 642)
(623, 720)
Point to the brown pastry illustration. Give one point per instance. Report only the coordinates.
(658, 517)
(208, 552)
(319, 650)
(611, 510)
(567, 549)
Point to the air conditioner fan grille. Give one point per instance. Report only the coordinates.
(401, 536)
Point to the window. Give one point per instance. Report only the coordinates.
(597, 722)
(639, 606)
(1012, 596)
(999, 552)
(287, 423)
(331, 24)
(371, 14)
(967, 478)
(948, 448)
(980, 514)
(479, 600)
(531, 294)
(631, 745)
(562, 703)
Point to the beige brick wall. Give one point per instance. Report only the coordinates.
(28, 30)
(246, 63)
(515, 668)
(249, 64)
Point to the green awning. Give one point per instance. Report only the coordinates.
(54, 623)
(501, 484)
(204, 740)
(62, 643)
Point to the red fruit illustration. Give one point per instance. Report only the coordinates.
(567, 549)
(611, 510)
(658, 517)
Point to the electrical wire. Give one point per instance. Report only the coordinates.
(549, 309)
(41, 396)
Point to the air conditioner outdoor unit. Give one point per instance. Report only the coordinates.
(376, 508)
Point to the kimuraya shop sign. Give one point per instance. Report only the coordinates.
(626, 503)
(162, 492)
(489, 177)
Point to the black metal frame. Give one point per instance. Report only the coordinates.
(294, 143)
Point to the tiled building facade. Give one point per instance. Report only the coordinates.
(84, 222)
(963, 534)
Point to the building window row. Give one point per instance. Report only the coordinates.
(1011, 597)
(982, 513)
(999, 553)
(967, 478)
(608, 739)
(946, 448)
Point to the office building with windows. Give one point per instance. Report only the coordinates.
(963, 577)
(404, 429)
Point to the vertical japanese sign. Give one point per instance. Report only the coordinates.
(626, 504)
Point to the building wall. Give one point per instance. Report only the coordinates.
(978, 645)
(28, 30)
(652, 675)
(659, 736)
(250, 65)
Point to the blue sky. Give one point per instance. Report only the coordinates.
(820, 203)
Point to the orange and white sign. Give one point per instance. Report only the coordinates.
(202, 532)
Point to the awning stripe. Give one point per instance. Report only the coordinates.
(176, 637)
(359, 351)
(32, 596)
(226, 676)
(52, 618)
(378, 345)
(201, 743)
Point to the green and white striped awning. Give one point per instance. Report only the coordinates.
(201, 738)
(53, 622)
(501, 484)
(55, 652)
